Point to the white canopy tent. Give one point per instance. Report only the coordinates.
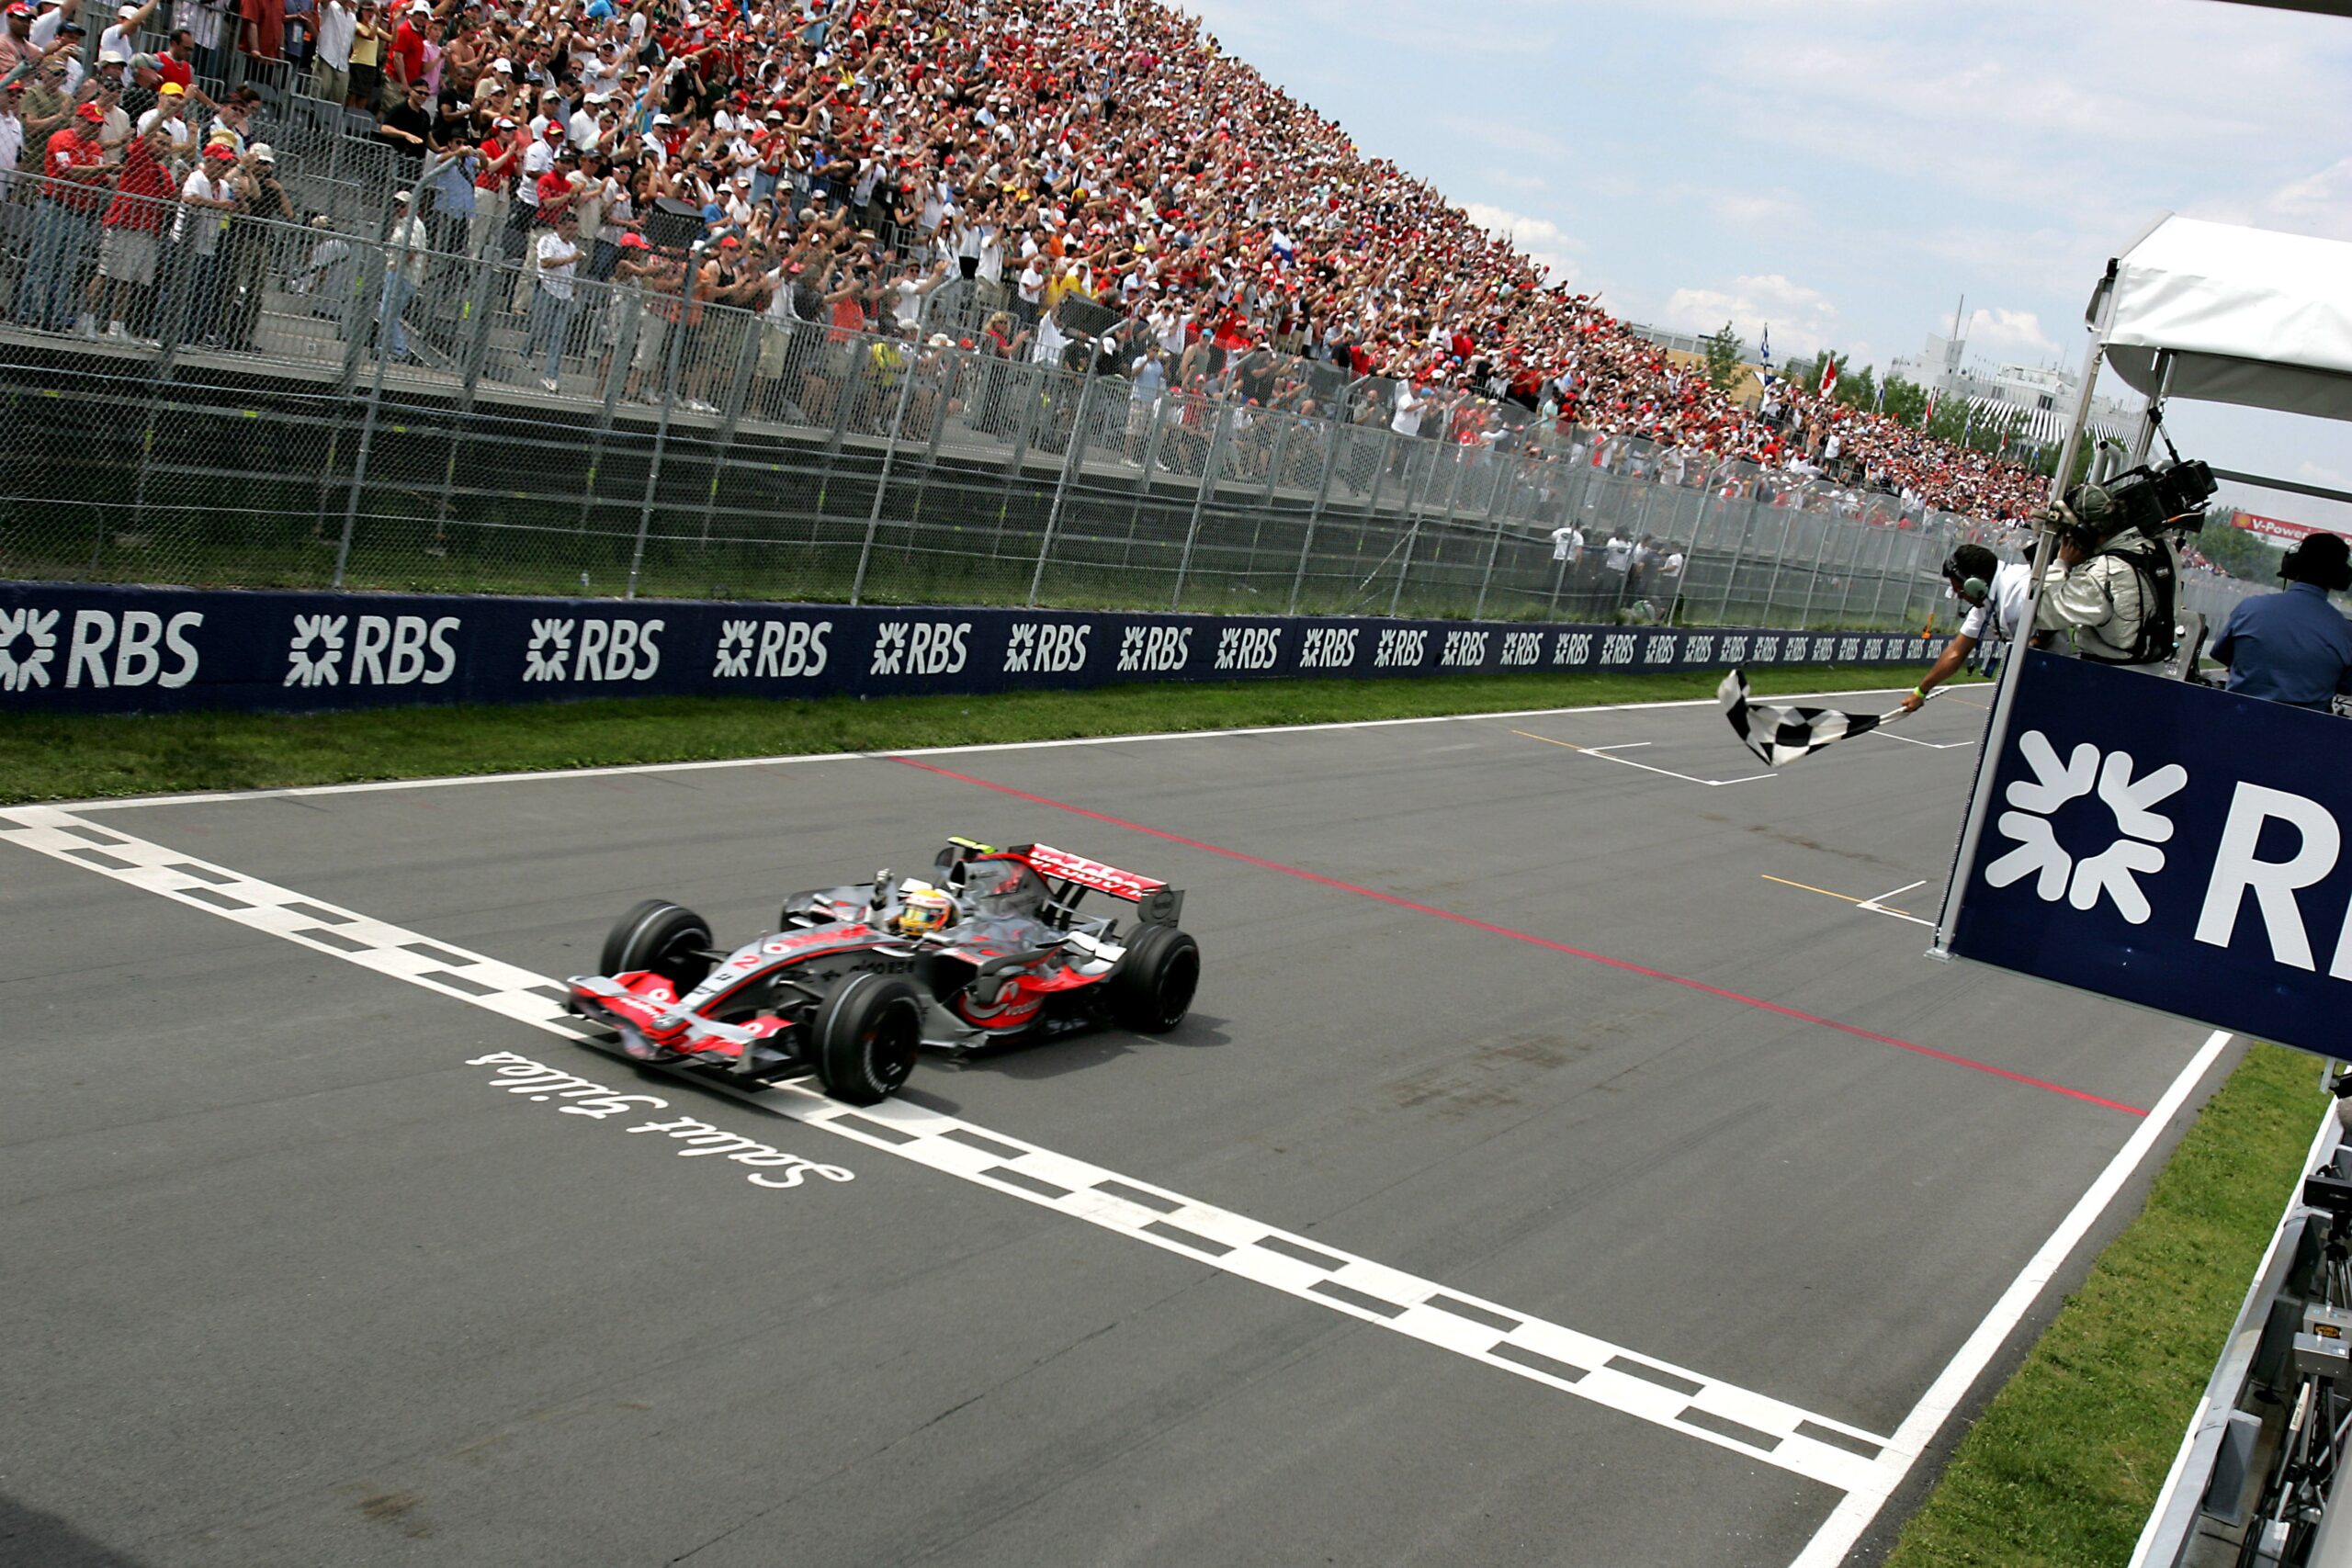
(2235, 315)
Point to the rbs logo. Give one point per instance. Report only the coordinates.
(1154, 649)
(1046, 648)
(134, 648)
(1248, 647)
(384, 650)
(919, 647)
(2274, 845)
(786, 650)
(606, 650)
(1328, 647)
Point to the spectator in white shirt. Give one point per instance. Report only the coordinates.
(12, 136)
(558, 253)
(122, 39)
(410, 247)
(331, 70)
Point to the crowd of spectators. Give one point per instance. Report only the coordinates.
(850, 158)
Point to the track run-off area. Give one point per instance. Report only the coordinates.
(1570, 1159)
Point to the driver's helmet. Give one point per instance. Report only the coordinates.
(923, 910)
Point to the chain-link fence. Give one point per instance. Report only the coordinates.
(202, 397)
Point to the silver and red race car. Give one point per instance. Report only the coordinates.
(857, 979)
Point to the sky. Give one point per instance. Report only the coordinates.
(1846, 170)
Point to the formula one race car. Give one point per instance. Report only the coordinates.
(858, 979)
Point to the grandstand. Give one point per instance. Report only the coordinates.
(1046, 180)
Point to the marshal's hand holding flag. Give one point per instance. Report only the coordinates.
(1781, 735)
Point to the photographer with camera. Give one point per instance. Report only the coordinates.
(2114, 581)
(1995, 591)
(2294, 647)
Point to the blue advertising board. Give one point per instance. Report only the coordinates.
(2170, 845)
(76, 647)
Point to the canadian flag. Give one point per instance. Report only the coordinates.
(1928, 418)
(1828, 374)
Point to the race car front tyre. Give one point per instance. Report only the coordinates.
(865, 1037)
(1151, 990)
(668, 939)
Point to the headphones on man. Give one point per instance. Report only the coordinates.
(1974, 589)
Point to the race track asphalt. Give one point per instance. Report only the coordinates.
(288, 1282)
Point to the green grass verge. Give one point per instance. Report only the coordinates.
(79, 757)
(2065, 1464)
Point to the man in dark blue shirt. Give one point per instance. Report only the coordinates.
(2294, 647)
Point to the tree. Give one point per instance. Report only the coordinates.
(2232, 548)
(1858, 389)
(1724, 352)
(1906, 401)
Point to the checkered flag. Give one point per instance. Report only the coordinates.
(1781, 736)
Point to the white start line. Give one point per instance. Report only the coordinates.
(1818, 1448)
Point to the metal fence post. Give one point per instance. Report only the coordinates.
(375, 399)
(747, 359)
(661, 426)
(1412, 520)
(1780, 560)
(615, 378)
(1070, 460)
(1813, 578)
(1331, 434)
(375, 386)
(1209, 466)
(881, 483)
(1738, 554)
(1505, 485)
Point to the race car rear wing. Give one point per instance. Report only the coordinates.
(1157, 904)
(1070, 876)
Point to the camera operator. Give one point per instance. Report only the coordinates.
(1995, 591)
(2112, 586)
(2294, 647)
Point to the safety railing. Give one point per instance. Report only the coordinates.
(234, 398)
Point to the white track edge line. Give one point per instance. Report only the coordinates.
(1601, 1382)
(1855, 1513)
(206, 798)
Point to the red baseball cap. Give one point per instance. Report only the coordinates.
(92, 113)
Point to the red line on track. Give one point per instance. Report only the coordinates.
(1628, 965)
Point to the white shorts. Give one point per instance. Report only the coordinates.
(127, 255)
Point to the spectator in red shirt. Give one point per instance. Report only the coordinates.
(501, 151)
(128, 230)
(404, 60)
(177, 63)
(76, 175)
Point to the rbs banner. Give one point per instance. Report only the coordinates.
(2170, 845)
(65, 646)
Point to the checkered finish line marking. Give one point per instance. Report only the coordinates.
(1763, 1428)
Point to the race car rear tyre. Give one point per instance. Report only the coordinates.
(668, 939)
(865, 1036)
(1151, 990)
